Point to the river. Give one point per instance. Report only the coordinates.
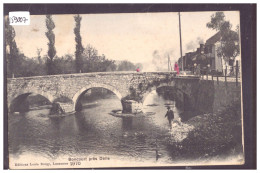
(93, 131)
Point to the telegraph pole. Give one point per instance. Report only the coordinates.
(168, 63)
(180, 39)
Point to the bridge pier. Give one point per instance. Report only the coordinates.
(128, 106)
(67, 107)
(61, 108)
(131, 106)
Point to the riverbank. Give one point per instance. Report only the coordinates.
(215, 135)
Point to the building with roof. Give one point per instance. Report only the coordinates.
(206, 57)
(212, 45)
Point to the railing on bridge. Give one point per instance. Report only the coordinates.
(234, 75)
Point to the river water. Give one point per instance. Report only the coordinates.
(93, 131)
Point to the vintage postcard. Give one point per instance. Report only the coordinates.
(113, 90)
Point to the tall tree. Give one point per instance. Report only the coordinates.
(216, 21)
(12, 51)
(229, 47)
(51, 45)
(79, 47)
(90, 52)
(91, 59)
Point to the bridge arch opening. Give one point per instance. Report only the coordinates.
(25, 101)
(92, 93)
(157, 89)
(163, 96)
(157, 100)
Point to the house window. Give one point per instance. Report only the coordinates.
(210, 49)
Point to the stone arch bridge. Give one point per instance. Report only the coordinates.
(126, 85)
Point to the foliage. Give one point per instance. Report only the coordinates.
(92, 62)
(126, 66)
(229, 47)
(79, 47)
(27, 67)
(64, 65)
(10, 44)
(86, 60)
(61, 65)
(90, 52)
(217, 20)
(37, 100)
(51, 48)
(215, 135)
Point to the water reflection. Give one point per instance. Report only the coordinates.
(127, 123)
(93, 130)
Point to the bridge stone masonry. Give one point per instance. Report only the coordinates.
(130, 87)
(72, 86)
(126, 85)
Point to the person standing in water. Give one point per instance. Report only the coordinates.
(170, 116)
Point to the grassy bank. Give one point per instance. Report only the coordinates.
(215, 136)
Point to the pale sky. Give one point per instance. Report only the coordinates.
(122, 36)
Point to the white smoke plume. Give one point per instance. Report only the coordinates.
(160, 60)
(193, 45)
